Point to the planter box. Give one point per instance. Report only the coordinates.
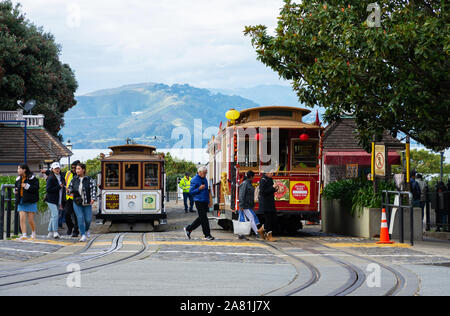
(41, 220)
(337, 219)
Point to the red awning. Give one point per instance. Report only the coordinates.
(356, 157)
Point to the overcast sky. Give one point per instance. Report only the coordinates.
(117, 42)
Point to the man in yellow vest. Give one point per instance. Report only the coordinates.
(185, 185)
(71, 219)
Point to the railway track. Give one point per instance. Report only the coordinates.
(86, 258)
(354, 282)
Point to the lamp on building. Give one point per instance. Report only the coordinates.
(304, 136)
(232, 115)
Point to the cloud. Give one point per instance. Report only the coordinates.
(199, 42)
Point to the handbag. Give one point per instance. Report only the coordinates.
(242, 228)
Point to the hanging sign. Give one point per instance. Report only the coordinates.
(380, 160)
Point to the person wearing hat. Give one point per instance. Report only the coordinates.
(55, 198)
(185, 185)
(71, 218)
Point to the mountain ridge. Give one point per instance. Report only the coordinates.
(153, 113)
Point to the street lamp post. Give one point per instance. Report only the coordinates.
(69, 146)
(442, 165)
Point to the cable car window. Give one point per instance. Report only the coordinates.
(275, 113)
(131, 175)
(304, 154)
(151, 175)
(112, 175)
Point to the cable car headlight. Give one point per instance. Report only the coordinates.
(131, 204)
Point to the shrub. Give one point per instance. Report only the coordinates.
(42, 206)
(357, 193)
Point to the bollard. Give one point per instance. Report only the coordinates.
(16, 219)
(2, 213)
(427, 209)
(8, 213)
(411, 219)
(402, 222)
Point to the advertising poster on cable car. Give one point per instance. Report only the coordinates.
(283, 192)
(300, 192)
(149, 202)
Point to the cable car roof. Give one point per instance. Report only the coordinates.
(133, 152)
(276, 108)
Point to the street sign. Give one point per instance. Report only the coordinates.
(380, 160)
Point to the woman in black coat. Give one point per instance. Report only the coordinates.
(27, 197)
(267, 191)
(55, 198)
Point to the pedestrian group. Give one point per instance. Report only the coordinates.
(71, 194)
(201, 194)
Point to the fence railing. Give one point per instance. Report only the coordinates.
(385, 203)
(11, 115)
(7, 198)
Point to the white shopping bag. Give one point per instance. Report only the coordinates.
(242, 228)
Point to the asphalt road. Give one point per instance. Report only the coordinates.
(165, 263)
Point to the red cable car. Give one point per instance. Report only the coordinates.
(259, 138)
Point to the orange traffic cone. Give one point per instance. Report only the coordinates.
(384, 233)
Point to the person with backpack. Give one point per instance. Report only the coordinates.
(55, 198)
(27, 197)
(84, 192)
(247, 204)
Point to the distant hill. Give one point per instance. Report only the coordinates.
(142, 111)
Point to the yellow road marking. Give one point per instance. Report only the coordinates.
(365, 245)
(50, 242)
(132, 243)
(102, 243)
(208, 243)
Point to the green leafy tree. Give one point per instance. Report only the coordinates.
(426, 162)
(176, 168)
(394, 77)
(93, 166)
(30, 68)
